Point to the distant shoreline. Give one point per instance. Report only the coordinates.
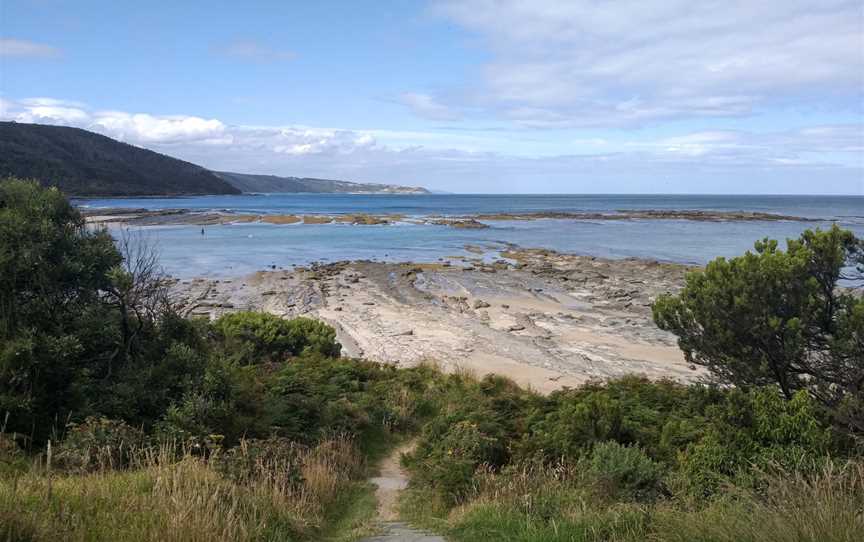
(167, 217)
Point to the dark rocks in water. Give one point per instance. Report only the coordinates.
(651, 214)
(463, 223)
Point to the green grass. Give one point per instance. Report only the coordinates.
(353, 515)
(827, 506)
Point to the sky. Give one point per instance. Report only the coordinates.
(469, 96)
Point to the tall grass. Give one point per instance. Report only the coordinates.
(533, 504)
(163, 497)
(827, 506)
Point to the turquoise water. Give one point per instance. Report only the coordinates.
(239, 249)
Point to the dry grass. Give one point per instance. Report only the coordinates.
(165, 498)
(824, 507)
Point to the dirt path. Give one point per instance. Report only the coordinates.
(390, 482)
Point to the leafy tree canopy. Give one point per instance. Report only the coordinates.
(779, 317)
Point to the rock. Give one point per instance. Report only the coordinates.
(480, 304)
(505, 306)
(337, 309)
(405, 333)
(516, 327)
(368, 303)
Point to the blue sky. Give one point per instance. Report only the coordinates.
(471, 96)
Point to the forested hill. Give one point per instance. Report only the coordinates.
(83, 163)
(272, 183)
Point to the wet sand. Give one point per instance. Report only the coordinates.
(544, 319)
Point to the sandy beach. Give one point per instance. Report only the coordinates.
(545, 319)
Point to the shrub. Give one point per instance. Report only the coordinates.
(98, 444)
(758, 428)
(256, 337)
(623, 472)
(228, 404)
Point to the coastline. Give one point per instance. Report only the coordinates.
(180, 216)
(545, 319)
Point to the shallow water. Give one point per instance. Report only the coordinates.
(240, 249)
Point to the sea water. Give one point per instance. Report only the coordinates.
(231, 250)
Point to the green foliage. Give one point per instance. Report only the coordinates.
(660, 417)
(52, 322)
(775, 317)
(227, 404)
(314, 396)
(758, 429)
(97, 444)
(259, 337)
(623, 472)
(495, 522)
(85, 332)
(475, 424)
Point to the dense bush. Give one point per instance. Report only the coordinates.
(757, 429)
(623, 472)
(635, 438)
(257, 337)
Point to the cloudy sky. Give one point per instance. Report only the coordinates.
(576, 96)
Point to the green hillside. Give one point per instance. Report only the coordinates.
(83, 163)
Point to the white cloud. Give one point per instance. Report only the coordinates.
(719, 161)
(424, 105)
(251, 50)
(143, 128)
(11, 47)
(588, 63)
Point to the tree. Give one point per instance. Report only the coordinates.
(52, 322)
(139, 290)
(778, 317)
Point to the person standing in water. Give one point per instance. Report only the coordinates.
(202, 231)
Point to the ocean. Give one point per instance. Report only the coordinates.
(233, 250)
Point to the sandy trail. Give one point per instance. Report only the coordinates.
(390, 482)
(544, 319)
